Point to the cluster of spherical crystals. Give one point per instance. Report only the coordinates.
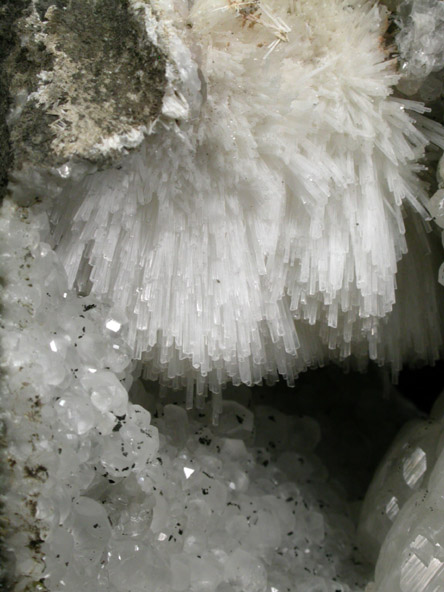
(64, 406)
(104, 497)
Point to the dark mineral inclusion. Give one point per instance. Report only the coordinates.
(94, 73)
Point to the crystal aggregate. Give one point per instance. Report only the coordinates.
(108, 495)
(262, 229)
(401, 518)
(112, 489)
(419, 41)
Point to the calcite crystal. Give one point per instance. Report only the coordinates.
(108, 494)
(401, 522)
(202, 194)
(419, 41)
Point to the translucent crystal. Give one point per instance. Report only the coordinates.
(245, 571)
(90, 530)
(106, 392)
(436, 207)
(274, 241)
(126, 496)
(257, 232)
(412, 554)
(420, 42)
(406, 466)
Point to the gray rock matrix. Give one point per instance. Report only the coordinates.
(75, 73)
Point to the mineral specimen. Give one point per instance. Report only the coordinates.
(258, 230)
(208, 193)
(419, 40)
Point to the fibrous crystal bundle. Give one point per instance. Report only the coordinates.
(108, 495)
(235, 193)
(110, 489)
(259, 227)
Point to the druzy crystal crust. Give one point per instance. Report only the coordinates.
(108, 496)
(209, 196)
(258, 226)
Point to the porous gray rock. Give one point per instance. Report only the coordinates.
(86, 81)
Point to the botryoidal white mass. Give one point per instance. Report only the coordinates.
(259, 228)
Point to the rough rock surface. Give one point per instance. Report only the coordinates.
(86, 81)
(9, 13)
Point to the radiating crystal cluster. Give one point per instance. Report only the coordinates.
(259, 229)
(105, 494)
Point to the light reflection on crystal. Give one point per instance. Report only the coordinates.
(135, 439)
(64, 171)
(113, 325)
(423, 548)
(110, 452)
(414, 467)
(392, 508)
(140, 232)
(441, 274)
(416, 576)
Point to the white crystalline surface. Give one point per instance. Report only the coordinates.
(105, 497)
(61, 399)
(404, 470)
(421, 46)
(401, 520)
(258, 231)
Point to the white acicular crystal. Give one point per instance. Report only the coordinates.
(259, 228)
(105, 496)
(267, 223)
